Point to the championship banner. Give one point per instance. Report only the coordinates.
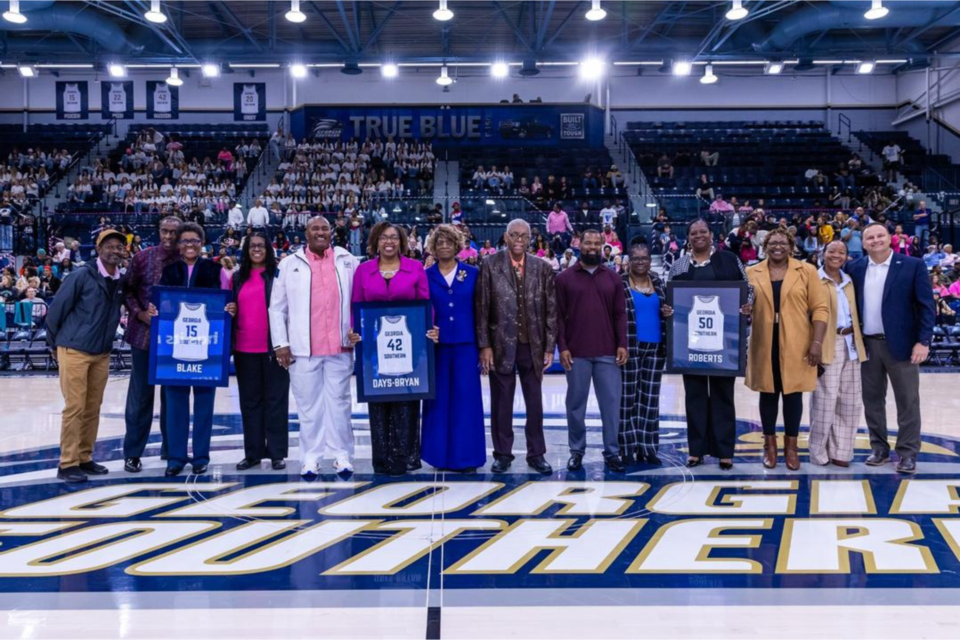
(73, 100)
(249, 101)
(116, 100)
(708, 334)
(163, 101)
(190, 338)
(394, 355)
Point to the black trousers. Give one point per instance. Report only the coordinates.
(264, 388)
(138, 414)
(711, 415)
(770, 402)
(395, 436)
(502, 390)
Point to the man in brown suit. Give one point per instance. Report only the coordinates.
(516, 313)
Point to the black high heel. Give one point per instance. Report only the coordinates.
(694, 462)
(726, 466)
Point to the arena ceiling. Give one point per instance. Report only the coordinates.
(406, 32)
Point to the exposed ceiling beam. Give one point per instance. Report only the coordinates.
(545, 24)
(351, 36)
(235, 21)
(517, 32)
(563, 23)
(916, 33)
(333, 30)
(379, 28)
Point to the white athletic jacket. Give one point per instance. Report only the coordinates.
(290, 301)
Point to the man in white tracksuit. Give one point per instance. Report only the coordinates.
(310, 323)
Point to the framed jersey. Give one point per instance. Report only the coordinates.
(249, 101)
(72, 100)
(190, 338)
(394, 355)
(708, 333)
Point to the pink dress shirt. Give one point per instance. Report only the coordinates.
(324, 305)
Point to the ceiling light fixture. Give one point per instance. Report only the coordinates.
(443, 13)
(596, 12)
(866, 66)
(174, 80)
(592, 68)
(682, 67)
(499, 70)
(737, 11)
(295, 15)
(774, 67)
(14, 15)
(444, 80)
(27, 71)
(389, 70)
(708, 76)
(298, 71)
(210, 70)
(155, 15)
(117, 70)
(876, 10)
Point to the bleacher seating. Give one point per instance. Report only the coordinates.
(915, 158)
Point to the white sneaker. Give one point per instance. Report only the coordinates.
(310, 471)
(343, 466)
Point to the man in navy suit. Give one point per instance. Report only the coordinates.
(897, 314)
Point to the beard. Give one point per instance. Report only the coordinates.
(590, 259)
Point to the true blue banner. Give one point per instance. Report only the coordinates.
(569, 125)
(190, 338)
(708, 332)
(394, 355)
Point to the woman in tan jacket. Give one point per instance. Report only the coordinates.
(836, 405)
(786, 341)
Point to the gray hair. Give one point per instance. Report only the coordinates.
(518, 222)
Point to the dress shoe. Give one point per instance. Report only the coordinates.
(540, 465)
(575, 463)
(278, 465)
(93, 469)
(878, 458)
(694, 462)
(71, 475)
(615, 464)
(501, 465)
(247, 463)
(199, 469)
(175, 470)
(840, 463)
(398, 471)
(653, 459)
(132, 465)
(770, 452)
(629, 459)
(790, 453)
(726, 466)
(907, 465)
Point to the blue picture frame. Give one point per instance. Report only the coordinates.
(728, 355)
(202, 363)
(415, 376)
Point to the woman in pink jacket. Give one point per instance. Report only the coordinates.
(388, 276)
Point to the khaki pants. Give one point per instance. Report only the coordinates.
(83, 378)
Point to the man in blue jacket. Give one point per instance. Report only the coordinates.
(897, 314)
(81, 324)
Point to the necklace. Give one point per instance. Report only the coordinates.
(645, 290)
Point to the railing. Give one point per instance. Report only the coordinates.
(934, 180)
(844, 120)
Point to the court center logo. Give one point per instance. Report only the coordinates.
(651, 528)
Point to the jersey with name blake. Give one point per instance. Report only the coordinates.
(191, 333)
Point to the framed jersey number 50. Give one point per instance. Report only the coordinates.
(394, 356)
(706, 335)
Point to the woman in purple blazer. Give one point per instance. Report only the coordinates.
(388, 276)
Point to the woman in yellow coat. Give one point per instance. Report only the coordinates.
(786, 341)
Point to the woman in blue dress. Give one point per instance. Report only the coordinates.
(453, 430)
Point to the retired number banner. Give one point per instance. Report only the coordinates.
(707, 335)
(394, 355)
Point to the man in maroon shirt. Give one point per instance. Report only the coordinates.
(144, 273)
(592, 336)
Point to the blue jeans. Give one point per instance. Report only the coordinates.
(178, 424)
(922, 231)
(6, 238)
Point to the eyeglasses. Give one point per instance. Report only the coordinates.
(636, 259)
(778, 244)
(518, 236)
(190, 243)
